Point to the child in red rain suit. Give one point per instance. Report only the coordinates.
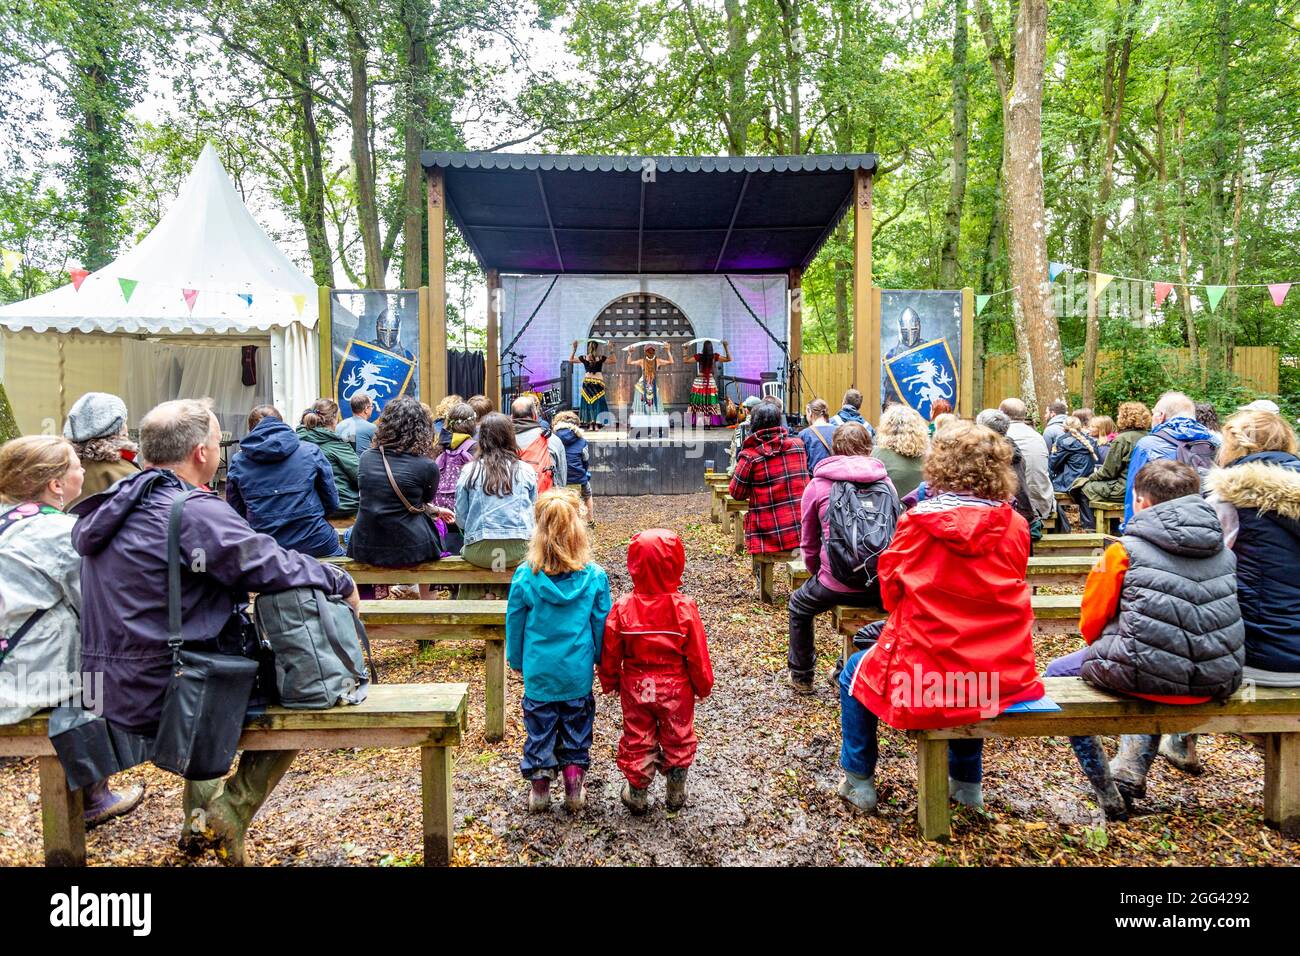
(656, 655)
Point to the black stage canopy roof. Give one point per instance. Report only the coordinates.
(696, 214)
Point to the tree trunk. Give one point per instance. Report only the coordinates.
(737, 123)
(1025, 210)
(949, 263)
(359, 117)
(1184, 290)
(313, 168)
(416, 20)
(1114, 81)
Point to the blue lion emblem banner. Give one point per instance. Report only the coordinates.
(923, 375)
(367, 368)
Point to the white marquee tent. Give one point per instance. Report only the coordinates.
(169, 319)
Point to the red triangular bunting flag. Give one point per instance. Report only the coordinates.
(78, 277)
(190, 296)
(1162, 292)
(1278, 291)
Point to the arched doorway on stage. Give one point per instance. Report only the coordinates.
(636, 317)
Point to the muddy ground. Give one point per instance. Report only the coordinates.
(761, 789)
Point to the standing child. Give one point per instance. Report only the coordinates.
(577, 458)
(559, 599)
(657, 657)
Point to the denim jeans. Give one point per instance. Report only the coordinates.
(559, 734)
(858, 727)
(809, 600)
(1068, 666)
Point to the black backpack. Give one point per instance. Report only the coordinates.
(860, 523)
(1198, 453)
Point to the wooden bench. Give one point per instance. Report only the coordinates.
(735, 516)
(764, 570)
(428, 716)
(1106, 512)
(1272, 712)
(1070, 570)
(444, 572)
(1078, 544)
(451, 621)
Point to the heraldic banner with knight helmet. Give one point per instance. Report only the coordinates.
(920, 342)
(375, 340)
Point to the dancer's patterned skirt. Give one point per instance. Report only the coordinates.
(704, 400)
(646, 399)
(593, 403)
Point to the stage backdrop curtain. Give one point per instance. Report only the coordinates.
(465, 374)
(294, 370)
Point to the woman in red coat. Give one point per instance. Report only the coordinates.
(958, 645)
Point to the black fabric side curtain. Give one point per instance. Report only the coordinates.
(465, 374)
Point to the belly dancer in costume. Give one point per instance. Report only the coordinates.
(646, 399)
(593, 403)
(705, 404)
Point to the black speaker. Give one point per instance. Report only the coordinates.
(566, 385)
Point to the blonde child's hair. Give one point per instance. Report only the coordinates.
(560, 542)
(1247, 433)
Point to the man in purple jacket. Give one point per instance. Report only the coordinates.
(122, 537)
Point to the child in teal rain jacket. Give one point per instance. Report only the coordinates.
(555, 622)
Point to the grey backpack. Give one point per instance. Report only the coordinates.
(319, 642)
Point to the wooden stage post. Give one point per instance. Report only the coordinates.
(491, 358)
(435, 333)
(793, 394)
(866, 332)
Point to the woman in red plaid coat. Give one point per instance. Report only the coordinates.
(771, 472)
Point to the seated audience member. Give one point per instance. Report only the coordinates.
(481, 404)
(495, 496)
(816, 437)
(359, 429)
(656, 656)
(96, 426)
(850, 463)
(900, 445)
(953, 582)
(1037, 480)
(1177, 435)
(40, 592)
(577, 455)
(994, 419)
(283, 487)
(1103, 431)
(1107, 481)
(940, 411)
(541, 448)
(1057, 412)
(462, 423)
(851, 411)
(1069, 462)
(399, 478)
(1161, 619)
(122, 537)
(942, 420)
(1208, 416)
(442, 434)
(317, 428)
(1257, 497)
(741, 431)
(770, 474)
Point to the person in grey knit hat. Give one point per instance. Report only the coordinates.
(96, 426)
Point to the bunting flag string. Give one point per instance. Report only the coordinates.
(1278, 291)
(1101, 280)
(10, 260)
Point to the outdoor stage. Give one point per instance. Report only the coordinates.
(641, 464)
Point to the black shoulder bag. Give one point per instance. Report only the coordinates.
(204, 704)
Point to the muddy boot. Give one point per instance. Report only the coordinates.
(858, 792)
(102, 804)
(195, 797)
(676, 798)
(575, 789)
(802, 687)
(539, 793)
(229, 814)
(967, 794)
(636, 799)
(1092, 758)
(1130, 766)
(1180, 750)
